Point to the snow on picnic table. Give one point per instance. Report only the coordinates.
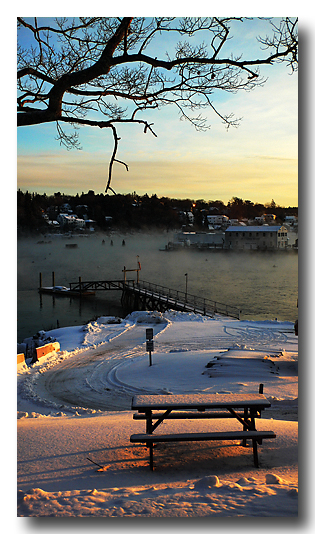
(76, 460)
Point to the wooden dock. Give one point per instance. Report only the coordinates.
(142, 295)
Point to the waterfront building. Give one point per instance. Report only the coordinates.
(256, 238)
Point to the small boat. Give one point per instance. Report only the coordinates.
(62, 291)
(71, 245)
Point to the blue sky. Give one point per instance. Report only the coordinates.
(257, 161)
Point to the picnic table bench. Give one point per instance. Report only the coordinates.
(158, 408)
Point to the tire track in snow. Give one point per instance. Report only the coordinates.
(88, 379)
(255, 337)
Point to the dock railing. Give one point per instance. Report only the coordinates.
(185, 301)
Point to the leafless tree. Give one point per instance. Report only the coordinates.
(101, 72)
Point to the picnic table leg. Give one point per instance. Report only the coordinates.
(253, 414)
(148, 416)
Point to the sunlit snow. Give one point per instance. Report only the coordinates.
(74, 419)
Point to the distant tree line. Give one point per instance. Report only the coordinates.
(134, 211)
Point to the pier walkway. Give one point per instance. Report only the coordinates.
(142, 295)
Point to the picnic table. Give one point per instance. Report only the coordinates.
(155, 409)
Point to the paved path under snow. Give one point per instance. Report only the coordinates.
(88, 379)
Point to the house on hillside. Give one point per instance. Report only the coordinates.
(216, 221)
(266, 218)
(70, 221)
(270, 218)
(256, 238)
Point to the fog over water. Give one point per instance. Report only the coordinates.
(263, 285)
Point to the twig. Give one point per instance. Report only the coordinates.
(123, 163)
(113, 158)
(98, 465)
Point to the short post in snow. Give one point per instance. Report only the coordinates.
(149, 342)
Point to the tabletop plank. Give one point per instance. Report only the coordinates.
(199, 400)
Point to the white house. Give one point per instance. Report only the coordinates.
(256, 238)
(70, 220)
(217, 220)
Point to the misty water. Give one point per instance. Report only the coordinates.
(263, 285)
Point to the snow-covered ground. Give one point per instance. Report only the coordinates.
(74, 420)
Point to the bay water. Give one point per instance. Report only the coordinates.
(264, 285)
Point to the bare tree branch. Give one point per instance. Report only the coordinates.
(98, 71)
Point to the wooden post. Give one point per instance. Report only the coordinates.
(53, 278)
(80, 285)
(261, 389)
(40, 293)
(138, 269)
